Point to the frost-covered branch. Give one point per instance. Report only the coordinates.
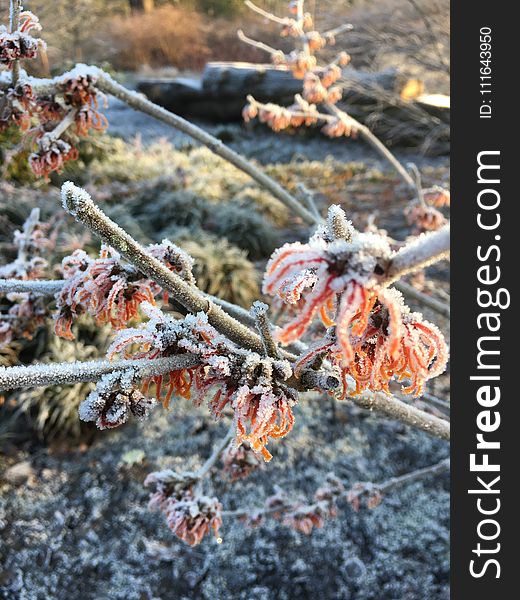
(79, 204)
(400, 411)
(425, 250)
(42, 288)
(259, 314)
(108, 85)
(15, 8)
(439, 468)
(264, 13)
(376, 143)
(42, 375)
(256, 44)
(220, 446)
(344, 492)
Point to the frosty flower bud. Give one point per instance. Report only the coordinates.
(113, 400)
(189, 513)
(51, 156)
(334, 94)
(339, 127)
(425, 218)
(343, 59)
(249, 112)
(315, 40)
(239, 462)
(437, 196)
(330, 75)
(366, 494)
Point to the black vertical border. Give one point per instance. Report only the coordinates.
(469, 136)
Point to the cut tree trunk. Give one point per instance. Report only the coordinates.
(221, 92)
(388, 101)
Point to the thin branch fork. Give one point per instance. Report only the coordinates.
(256, 44)
(376, 143)
(220, 446)
(42, 375)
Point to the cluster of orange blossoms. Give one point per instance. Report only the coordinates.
(373, 337)
(53, 121)
(318, 83)
(190, 514)
(20, 44)
(252, 386)
(110, 290)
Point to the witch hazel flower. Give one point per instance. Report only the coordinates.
(115, 398)
(252, 386)
(51, 155)
(109, 289)
(20, 44)
(189, 513)
(239, 462)
(103, 287)
(374, 336)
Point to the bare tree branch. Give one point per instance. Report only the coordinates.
(12, 378)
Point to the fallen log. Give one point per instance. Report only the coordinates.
(388, 101)
(219, 95)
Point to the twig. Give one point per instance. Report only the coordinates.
(338, 30)
(40, 288)
(266, 14)
(308, 197)
(61, 128)
(42, 375)
(384, 487)
(25, 240)
(15, 8)
(400, 411)
(376, 143)
(437, 469)
(436, 305)
(217, 451)
(259, 314)
(444, 404)
(418, 183)
(256, 44)
(299, 19)
(425, 250)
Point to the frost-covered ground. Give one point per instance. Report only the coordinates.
(79, 528)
